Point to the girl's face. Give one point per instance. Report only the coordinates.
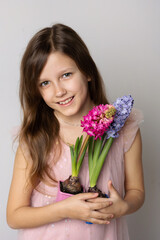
(64, 88)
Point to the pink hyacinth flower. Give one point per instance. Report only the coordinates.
(98, 120)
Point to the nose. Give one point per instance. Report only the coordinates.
(60, 90)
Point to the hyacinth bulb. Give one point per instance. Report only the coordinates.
(71, 185)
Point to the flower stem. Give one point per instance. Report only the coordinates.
(83, 146)
(90, 155)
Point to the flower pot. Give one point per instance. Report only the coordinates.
(62, 195)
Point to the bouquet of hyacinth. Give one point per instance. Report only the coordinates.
(72, 184)
(102, 124)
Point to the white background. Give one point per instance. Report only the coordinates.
(124, 40)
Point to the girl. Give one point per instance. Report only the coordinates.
(59, 84)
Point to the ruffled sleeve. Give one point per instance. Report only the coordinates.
(25, 151)
(131, 127)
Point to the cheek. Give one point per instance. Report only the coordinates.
(47, 96)
(81, 85)
(83, 88)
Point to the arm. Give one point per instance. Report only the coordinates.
(21, 215)
(134, 183)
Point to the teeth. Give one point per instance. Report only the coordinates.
(67, 101)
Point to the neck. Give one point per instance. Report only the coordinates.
(68, 123)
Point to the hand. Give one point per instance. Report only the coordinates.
(117, 206)
(80, 207)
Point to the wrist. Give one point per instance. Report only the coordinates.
(58, 211)
(125, 208)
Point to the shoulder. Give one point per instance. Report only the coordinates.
(23, 151)
(23, 160)
(136, 117)
(131, 127)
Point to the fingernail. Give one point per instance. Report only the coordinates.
(107, 222)
(96, 194)
(110, 203)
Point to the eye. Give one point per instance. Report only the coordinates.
(66, 75)
(44, 84)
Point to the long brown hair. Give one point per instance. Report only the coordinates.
(40, 128)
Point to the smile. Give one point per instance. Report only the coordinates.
(66, 101)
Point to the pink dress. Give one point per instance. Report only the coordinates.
(113, 169)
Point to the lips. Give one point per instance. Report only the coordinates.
(68, 100)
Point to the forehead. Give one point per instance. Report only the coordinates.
(57, 63)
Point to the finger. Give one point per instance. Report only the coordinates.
(102, 216)
(99, 200)
(98, 221)
(98, 206)
(111, 188)
(86, 196)
(111, 217)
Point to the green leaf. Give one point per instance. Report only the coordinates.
(97, 149)
(97, 169)
(90, 155)
(72, 157)
(74, 165)
(72, 152)
(80, 144)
